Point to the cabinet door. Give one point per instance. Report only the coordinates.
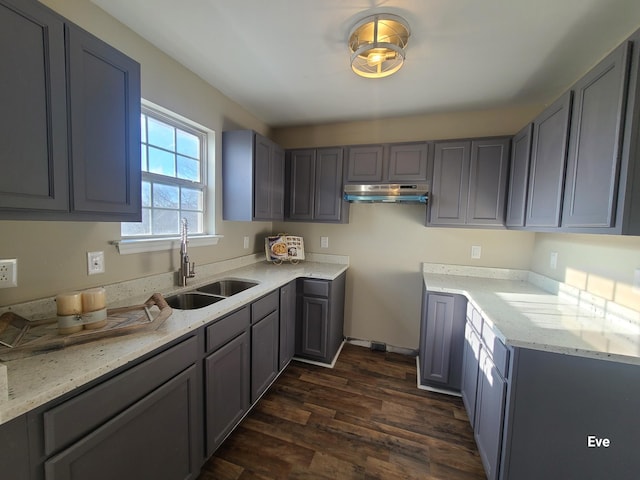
(264, 354)
(470, 365)
(519, 177)
(489, 415)
(488, 182)
(448, 199)
(261, 180)
(14, 455)
(226, 389)
(593, 165)
(313, 328)
(33, 124)
(287, 323)
(365, 164)
(328, 201)
(276, 177)
(437, 336)
(548, 161)
(154, 438)
(408, 163)
(301, 172)
(104, 100)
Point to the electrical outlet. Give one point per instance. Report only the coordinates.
(636, 281)
(245, 241)
(95, 262)
(553, 260)
(324, 242)
(476, 251)
(9, 273)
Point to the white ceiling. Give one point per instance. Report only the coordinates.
(287, 61)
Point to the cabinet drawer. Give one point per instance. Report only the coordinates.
(496, 349)
(474, 317)
(318, 288)
(264, 306)
(79, 416)
(227, 328)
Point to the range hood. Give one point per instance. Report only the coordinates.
(387, 193)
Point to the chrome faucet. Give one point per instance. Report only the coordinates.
(187, 270)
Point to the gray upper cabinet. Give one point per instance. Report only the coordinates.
(593, 165)
(389, 163)
(33, 124)
(252, 177)
(365, 164)
(408, 162)
(519, 177)
(469, 183)
(449, 189)
(314, 179)
(548, 162)
(104, 110)
(71, 121)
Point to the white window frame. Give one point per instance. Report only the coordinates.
(140, 244)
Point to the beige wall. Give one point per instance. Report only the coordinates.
(387, 243)
(602, 265)
(52, 255)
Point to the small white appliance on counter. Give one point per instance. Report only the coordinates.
(284, 248)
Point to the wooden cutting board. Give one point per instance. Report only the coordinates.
(21, 338)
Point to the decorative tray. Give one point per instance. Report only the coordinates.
(21, 338)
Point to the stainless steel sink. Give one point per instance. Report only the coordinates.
(227, 287)
(191, 300)
(208, 294)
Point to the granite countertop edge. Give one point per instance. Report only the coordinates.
(35, 380)
(523, 314)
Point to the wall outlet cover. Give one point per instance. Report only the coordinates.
(476, 251)
(95, 262)
(9, 273)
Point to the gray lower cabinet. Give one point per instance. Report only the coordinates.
(469, 183)
(71, 121)
(548, 164)
(470, 369)
(226, 389)
(571, 417)
(442, 340)
(287, 323)
(227, 376)
(14, 454)
(489, 414)
(320, 323)
(151, 439)
(252, 177)
(141, 423)
(314, 179)
(265, 359)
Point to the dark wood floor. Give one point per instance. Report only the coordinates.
(363, 419)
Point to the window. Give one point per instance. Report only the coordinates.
(174, 186)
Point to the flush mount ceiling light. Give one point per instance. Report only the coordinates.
(377, 45)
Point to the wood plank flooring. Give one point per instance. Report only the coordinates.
(363, 419)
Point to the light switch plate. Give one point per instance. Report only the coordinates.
(476, 251)
(324, 242)
(553, 260)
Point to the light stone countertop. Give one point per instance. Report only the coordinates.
(35, 380)
(553, 318)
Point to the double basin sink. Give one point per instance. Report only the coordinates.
(208, 294)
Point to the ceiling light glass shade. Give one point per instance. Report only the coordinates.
(377, 45)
